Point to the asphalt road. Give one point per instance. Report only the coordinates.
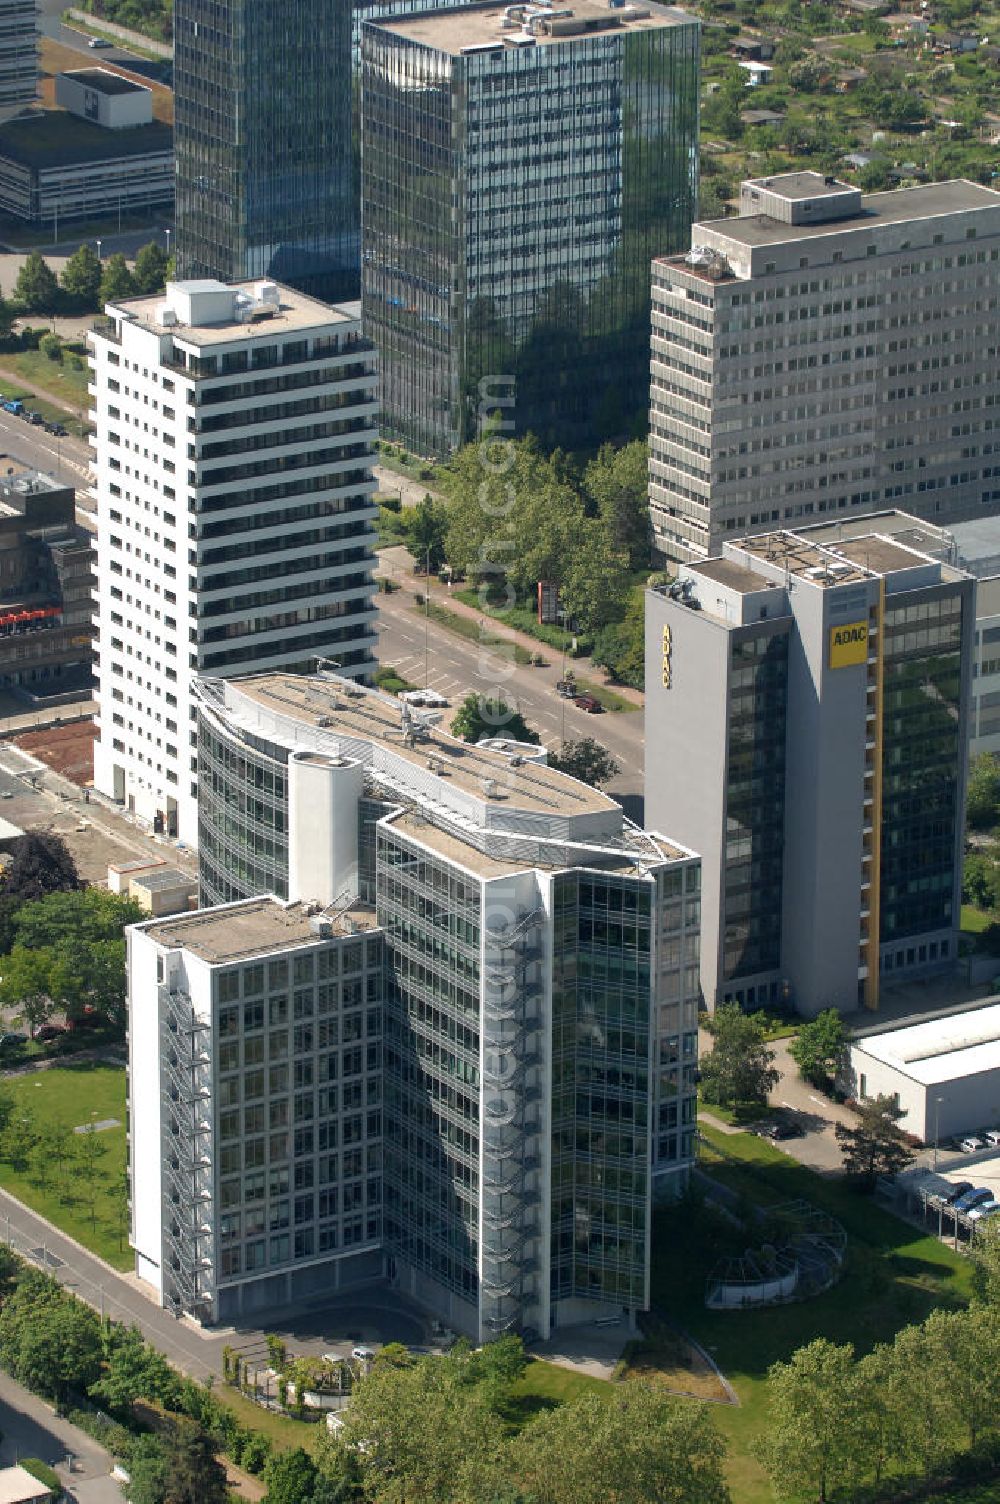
(67, 459)
(374, 1315)
(454, 666)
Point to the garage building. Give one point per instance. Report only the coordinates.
(945, 1073)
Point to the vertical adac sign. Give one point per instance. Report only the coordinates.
(848, 644)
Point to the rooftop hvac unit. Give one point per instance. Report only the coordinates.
(166, 317)
(267, 292)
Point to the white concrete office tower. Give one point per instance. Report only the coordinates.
(807, 701)
(18, 56)
(826, 352)
(254, 1106)
(537, 1019)
(235, 428)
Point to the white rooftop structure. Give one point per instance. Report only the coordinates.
(942, 1049)
(945, 1073)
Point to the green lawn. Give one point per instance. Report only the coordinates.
(60, 378)
(10, 389)
(284, 1431)
(895, 1276)
(974, 920)
(549, 1383)
(70, 1096)
(464, 626)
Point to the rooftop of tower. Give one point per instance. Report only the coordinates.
(476, 28)
(873, 210)
(502, 810)
(344, 714)
(208, 312)
(256, 926)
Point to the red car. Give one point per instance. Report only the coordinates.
(588, 703)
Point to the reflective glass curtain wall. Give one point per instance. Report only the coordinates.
(924, 729)
(512, 202)
(262, 136)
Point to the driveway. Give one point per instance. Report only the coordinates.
(815, 1114)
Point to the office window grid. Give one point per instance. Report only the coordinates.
(298, 1106)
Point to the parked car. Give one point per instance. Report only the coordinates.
(984, 1209)
(36, 419)
(972, 1198)
(971, 1144)
(993, 1137)
(779, 1128)
(566, 688)
(99, 42)
(13, 405)
(362, 1354)
(59, 431)
(960, 1188)
(588, 703)
(10, 1041)
(88, 1019)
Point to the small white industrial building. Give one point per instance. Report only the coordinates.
(945, 1073)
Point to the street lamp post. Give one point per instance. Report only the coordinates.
(98, 239)
(427, 620)
(937, 1128)
(167, 232)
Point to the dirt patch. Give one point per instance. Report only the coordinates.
(68, 750)
(664, 1357)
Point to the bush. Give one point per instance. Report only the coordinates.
(52, 346)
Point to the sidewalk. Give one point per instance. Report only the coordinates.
(396, 563)
(31, 1428)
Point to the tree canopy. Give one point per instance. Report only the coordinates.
(631, 1446)
(426, 528)
(516, 517)
(81, 277)
(587, 760)
(40, 863)
(36, 289)
(117, 281)
(739, 1070)
(480, 716)
(982, 799)
(876, 1146)
(818, 1048)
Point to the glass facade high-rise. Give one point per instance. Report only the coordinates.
(262, 136)
(539, 1002)
(519, 172)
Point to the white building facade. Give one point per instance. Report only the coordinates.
(234, 432)
(826, 352)
(944, 1074)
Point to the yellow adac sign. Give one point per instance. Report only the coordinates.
(848, 644)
